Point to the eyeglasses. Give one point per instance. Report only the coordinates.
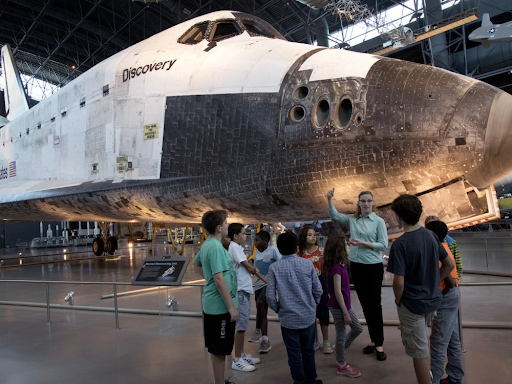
(366, 201)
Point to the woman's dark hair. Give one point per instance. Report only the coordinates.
(303, 235)
(335, 252)
(287, 243)
(212, 219)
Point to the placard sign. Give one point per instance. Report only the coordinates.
(162, 270)
(150, 131)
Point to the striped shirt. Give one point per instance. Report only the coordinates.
(456, 254)
(295, 282)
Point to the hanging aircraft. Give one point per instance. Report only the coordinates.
(221, 112)
(489, 33)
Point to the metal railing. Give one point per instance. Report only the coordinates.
(115, 295)
(48, 282)
(117, 310)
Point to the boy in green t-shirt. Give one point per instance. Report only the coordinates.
(220, 302)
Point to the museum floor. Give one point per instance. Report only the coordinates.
(83, 346)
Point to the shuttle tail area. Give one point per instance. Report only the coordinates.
(456, 203)
(16, 102)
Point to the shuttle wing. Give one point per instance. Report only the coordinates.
(85, 200)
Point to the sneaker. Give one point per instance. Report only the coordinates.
(448, 381)
(250, 360)
(265, 346)
(242, 365)
(348, 371)
(256, 337)
(327, 347)
(316, 346)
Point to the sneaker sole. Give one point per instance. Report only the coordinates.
(254, 341)
(243, 370)
(351, 376)
(265, 350)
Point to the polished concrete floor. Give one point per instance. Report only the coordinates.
(85, 347)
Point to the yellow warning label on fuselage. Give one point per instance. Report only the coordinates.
(150, 131)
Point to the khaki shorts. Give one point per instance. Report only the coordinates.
(244, 311)
(414, 332)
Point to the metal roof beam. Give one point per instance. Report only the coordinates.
(31, 28)
(73, 20)
(265, 6)
(270, 19)
(93, 55)
(61, 43)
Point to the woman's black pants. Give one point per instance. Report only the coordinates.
(367, 279)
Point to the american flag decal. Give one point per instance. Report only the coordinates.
(12, 169)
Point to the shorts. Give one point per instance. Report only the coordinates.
(322, 309)
(244, 311)
(261, 296)
(414, 332)
(219, 334)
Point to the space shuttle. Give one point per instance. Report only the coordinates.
(222, 112)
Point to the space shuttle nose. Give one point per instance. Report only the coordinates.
(497, 159)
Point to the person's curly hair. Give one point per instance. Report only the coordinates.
(303, 235)
(335, 252)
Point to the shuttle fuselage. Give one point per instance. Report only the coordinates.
(190, 119)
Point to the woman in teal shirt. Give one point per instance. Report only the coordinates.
(368, 239)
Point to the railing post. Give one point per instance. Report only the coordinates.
(48, 303)
(115, 306)
(486, 256)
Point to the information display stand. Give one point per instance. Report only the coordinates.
(161, 270)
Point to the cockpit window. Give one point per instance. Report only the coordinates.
(195, 34)
(224, 30)
(255, 29)
(256, 26)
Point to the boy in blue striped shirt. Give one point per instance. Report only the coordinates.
(296, 283)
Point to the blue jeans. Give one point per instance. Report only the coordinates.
(445, 340)
(301, 353)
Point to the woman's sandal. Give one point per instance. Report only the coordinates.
(369, 349)
(381, 356)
